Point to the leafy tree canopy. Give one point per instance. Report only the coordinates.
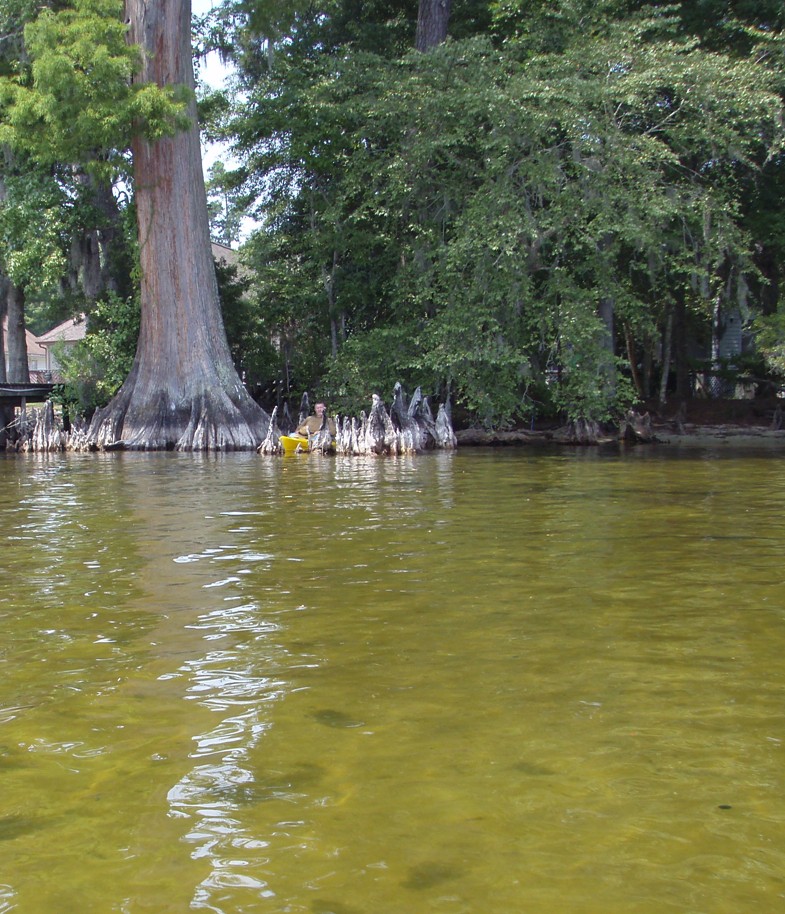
(76, 100)
(462, 218)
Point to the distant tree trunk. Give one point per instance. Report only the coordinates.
(12, 306)
(632, 356)
(680, 354)
(16, 345)
(183, 391)
(85, 260)
(336, 323)
(116, 262)
(607, 369)
(99, 258)
(667, 342)
(649, 345)
(433, 19)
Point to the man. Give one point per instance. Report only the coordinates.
(313, 424)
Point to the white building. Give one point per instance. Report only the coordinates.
(36, 354)
(69, 333)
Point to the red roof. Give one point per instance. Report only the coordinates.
(32, 343)
(69, 331)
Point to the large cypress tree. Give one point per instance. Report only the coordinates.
(95, 87)
(183, 391)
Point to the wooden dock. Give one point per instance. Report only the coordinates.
(20, 394)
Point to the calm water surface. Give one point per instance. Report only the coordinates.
(490, 682)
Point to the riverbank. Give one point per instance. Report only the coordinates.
(694, 422)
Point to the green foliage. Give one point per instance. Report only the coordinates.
(68, 109)
(458, 220)
(472, 207)
(35, 213)
(771, 340)
(225, 204)
(76, 102)
(251, 350)
(370, 362)
(95, 368)
(13, 16)
(590, 385)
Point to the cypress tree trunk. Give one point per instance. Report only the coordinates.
(16, 354)
(433, 19)
(12, 309)
(12, 305)
(183, 391)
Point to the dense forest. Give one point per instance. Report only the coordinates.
(532, 208)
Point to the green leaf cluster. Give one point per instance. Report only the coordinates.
(34, 221)
(461, 219)
(76, 101)
(95, 368)
(69, 106)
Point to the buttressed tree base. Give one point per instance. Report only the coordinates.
(183, 392)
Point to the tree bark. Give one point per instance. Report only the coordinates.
(183, 391)
(328, 281)
(99, 258)
(632, 357)
(3, 281)
(680, 354)
(16, 355)
(667, 342)
(607, 370)
(433, 19)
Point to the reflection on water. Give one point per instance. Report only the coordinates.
(489, 681)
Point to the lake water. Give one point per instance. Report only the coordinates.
(490, 682)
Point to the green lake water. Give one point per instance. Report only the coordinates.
(490, 682)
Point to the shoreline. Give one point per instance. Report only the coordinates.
(688, 435)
